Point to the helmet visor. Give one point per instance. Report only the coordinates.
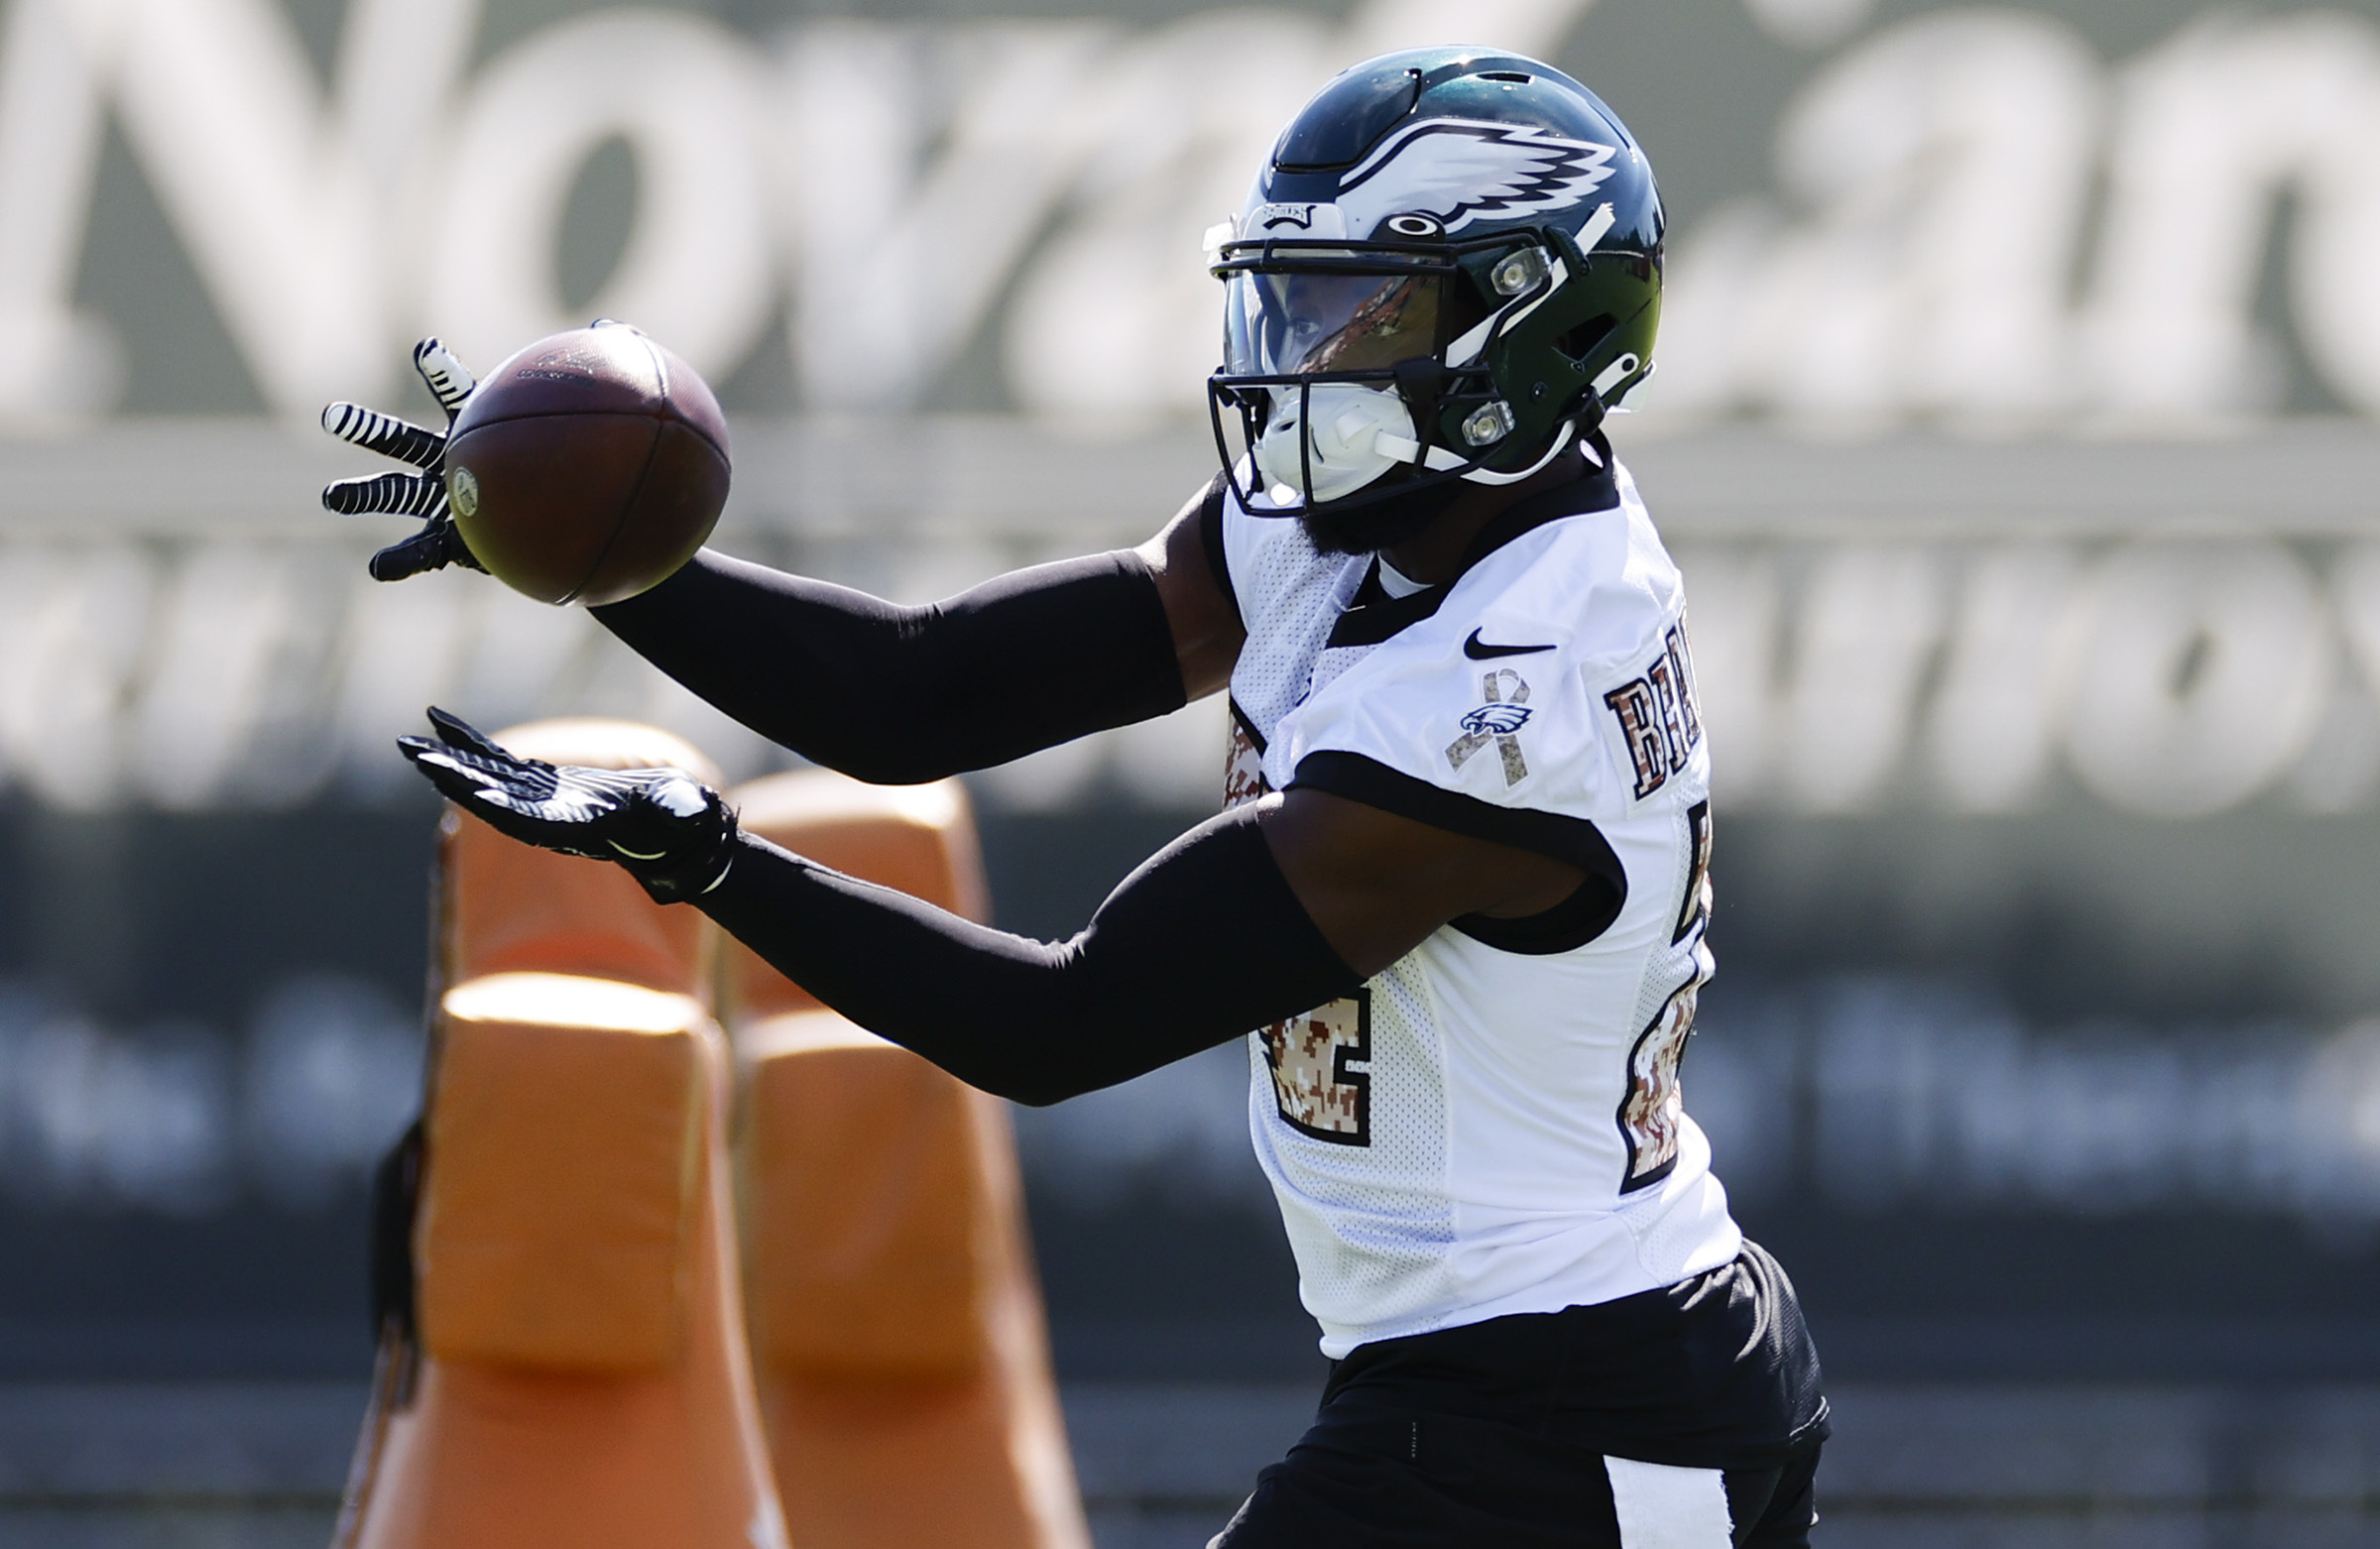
(1280, 324)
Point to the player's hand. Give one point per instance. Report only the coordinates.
(674, 834)
(421, 494)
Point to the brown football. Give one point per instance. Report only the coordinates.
(588, 467)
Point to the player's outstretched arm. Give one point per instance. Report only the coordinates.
(1259, 914)
(898, 694)
(892, 694)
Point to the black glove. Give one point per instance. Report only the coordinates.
(672, 833)
(421, 494)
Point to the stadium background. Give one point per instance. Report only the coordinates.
(2013, 427)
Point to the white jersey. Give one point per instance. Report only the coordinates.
(1492, 1124)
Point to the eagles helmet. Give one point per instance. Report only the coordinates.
(1449, 269)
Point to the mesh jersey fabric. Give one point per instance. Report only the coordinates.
(1483, 1129)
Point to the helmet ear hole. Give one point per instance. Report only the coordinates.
(1580, 342)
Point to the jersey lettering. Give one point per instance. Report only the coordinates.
(1659, 720)
(1681, 666)
(1316, 1085)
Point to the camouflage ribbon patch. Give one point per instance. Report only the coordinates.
(1505, 712)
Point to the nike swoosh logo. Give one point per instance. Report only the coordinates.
(1478, 650)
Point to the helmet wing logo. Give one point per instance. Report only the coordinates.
(1461, 171)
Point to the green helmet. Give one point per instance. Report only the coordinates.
(1449, 269)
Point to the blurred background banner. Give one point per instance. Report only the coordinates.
(2042, 217)
(2014, 427)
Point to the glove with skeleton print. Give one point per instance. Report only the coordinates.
(421, 494)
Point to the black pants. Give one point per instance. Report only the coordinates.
(1445, 1482)
(1496, 1433)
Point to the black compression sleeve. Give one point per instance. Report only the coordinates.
(1201, 944)
(896, 695)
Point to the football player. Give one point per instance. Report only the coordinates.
(1461, 885)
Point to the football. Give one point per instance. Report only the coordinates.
(588, 467)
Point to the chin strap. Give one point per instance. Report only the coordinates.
(1440, 459)
(1405, 450)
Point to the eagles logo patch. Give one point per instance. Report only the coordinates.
(1505, 712)
(1496, 720)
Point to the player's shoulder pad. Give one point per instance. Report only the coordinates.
(1600, 583)
(1500, 695)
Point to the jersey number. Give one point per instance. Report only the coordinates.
(1651, 1113)
(1242, 764)
(1316, 1084)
